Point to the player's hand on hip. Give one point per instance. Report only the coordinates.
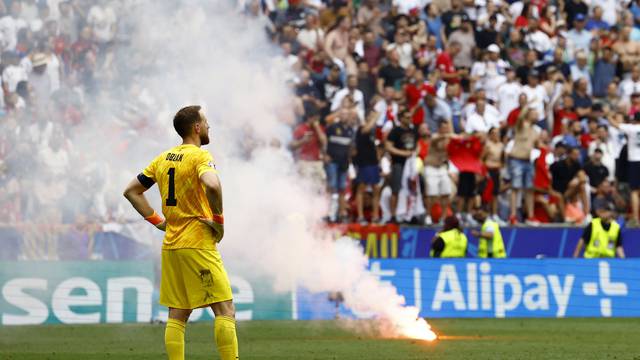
(217, 227)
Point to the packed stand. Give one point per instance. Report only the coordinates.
(58, 70)
(412, 109)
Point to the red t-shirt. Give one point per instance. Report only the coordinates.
(415, 92)
(521, 22)
(586, 139)
(542, 176)
(512, 118)
(444, 63)
(559, 117)
(465, 154)
(311, 150)
(423, 148)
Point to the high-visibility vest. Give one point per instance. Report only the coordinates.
(602, 243)
(497, 244)
(455, 244)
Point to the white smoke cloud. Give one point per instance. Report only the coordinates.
(206, 53)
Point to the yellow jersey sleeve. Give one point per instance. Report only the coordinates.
(204, 163)
(150, 170)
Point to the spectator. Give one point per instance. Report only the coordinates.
(452, 98)
(579, 36)
(340, 136)
(465, 37)
(537, 97)
(367, 168)
(103, 22)
(630, 85)
(308, 141)
(311, 36)
(352, 91)
(603, 143)
(387, 110)
(595, 170)
(632, 131)
(402, 46)
(493, 159)
(401, 144)
(444, 63)
(580, 70)
(604, 73)
(436, 110)
(464, 153)
(372, 53)
(490, 73)
(595, 22)
(481, 120)
(436, 171)
(453, 18)
(337, 41)
(392, 74)
(435, 24)
(520, 166)
(627, 49)
(581, 99)
(509, 94)
(569, 179)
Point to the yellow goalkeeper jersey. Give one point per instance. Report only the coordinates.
(177, 172)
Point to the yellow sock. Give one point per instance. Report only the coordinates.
(225, 332)
(174, 339)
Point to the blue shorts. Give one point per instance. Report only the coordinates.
(521, 173)
(369, 175)
(336, 178)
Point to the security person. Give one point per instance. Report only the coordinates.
(490, 243)
(451, 242)
(602, 237)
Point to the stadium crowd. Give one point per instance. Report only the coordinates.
(406, 110)
(531, 107)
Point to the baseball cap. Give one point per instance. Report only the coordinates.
(493, 48)
(534, 73)
(579, 17)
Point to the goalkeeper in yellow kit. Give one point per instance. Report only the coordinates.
(193, 275)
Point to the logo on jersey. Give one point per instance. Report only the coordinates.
(211, 164)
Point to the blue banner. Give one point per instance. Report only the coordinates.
(502, 288)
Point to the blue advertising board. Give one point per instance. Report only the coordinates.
(502, 288)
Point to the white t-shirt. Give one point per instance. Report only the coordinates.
(481, 123)
(405, 53)
(12, 75)
(633, 144)
(628, 87)
(102, 20)
(311, 38)
(537, 97)
(9, 28)
(358, 97)
(508, 94)
(491, 74)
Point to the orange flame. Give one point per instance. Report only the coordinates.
(418, 329)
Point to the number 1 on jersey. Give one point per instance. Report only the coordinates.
(171, 197)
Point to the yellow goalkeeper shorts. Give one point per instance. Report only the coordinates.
(193, 278)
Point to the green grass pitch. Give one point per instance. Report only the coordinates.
(461, 339)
